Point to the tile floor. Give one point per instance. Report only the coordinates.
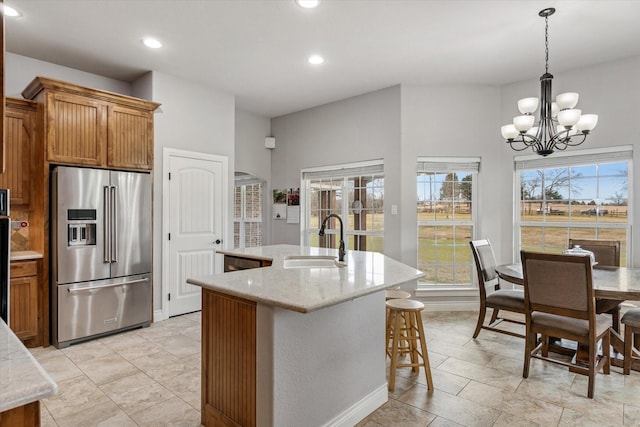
(151, 377)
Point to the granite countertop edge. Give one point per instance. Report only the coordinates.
(307, 290)
(23, 379)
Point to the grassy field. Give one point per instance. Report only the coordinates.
(437, 261)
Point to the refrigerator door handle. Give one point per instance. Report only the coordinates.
(92, 289)
(107, 225)
(114, 224)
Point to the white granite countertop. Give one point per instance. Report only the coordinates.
(24, 255)
(308, 289)
(22, 379)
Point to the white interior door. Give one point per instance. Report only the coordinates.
(197, 204)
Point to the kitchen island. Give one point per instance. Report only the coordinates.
(296, 346)
(23, 382)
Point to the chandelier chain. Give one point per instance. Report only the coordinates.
(546, 44)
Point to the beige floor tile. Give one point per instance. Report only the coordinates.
(460, 352)
(186, 386)
(399, 414)
(443, 422)
(483, 374)
(106, 414)
(134, 346)
(136, 392)
(59, 366)
(451, 407)
(174, 412)
(194, 361)
(107, 368)
(46, 420)
(86, 351)
(161, 365)
(632, 415)
(74, 395)
(536, 411)
(180, 345)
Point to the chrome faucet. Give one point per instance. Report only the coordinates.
(341, 250)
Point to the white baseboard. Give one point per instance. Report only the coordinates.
(159, 315)
(451, 305)
(356, 413)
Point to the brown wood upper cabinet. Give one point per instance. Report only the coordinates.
(92, 127)
(20, 119)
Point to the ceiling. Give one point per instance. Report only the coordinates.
(257, 49)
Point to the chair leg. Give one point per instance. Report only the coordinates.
(494, 315)
(410, 324)
(606, 344)
(481, 315)
(593, 361)
(545, 345)
(529, 345)
(615, 318)
(628, 349)
(394, 349)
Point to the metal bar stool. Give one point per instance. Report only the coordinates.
(631, 322)
(404, 336)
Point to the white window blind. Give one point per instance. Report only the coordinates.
(449, 164)
(355, 169)
(584, 157)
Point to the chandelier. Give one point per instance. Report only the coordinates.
(561, 125)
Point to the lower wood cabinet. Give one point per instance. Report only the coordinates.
(26, 415)
(235, 263)
(23, 305)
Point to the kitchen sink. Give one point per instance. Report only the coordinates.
(311, 261)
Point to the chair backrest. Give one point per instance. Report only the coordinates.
(558, 284)
(607, 252)
(485, 264)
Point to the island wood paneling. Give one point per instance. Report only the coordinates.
(228, 360)
(24, 416)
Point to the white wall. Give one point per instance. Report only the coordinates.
(364, 127)
(252, 157)
(20, 70)
(194, 118)
(611, 90)
(451, 121)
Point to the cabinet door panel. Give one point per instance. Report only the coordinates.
(76, 130)
(130, 138)
(18, 128)
(23, 316)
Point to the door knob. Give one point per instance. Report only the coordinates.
(218, 241)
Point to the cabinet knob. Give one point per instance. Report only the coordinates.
(217, 242)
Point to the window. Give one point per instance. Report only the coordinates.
(581, 196)
(446, 219)
(355, 192)
(247, 216)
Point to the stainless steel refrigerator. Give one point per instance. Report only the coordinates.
(101, 252)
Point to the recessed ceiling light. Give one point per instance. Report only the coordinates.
(152, 43)
(315, 59)
(9, 11)
(308, 4)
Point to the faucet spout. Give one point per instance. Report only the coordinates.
(341, 251)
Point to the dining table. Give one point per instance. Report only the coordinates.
(614, 283)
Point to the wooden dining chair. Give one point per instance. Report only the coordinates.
(560, 302)
(491, 296)
(607, 254)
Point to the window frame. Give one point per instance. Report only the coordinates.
(343, 171)
(470, 165)
(576, 158)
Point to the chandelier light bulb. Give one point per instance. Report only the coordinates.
(528, 105)
(554, 109)
(567, 100)
(569, 117)
(533, 131)
(587, 122)
(523, 123)
(509, 131)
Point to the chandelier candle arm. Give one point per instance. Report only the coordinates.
(560, 125)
